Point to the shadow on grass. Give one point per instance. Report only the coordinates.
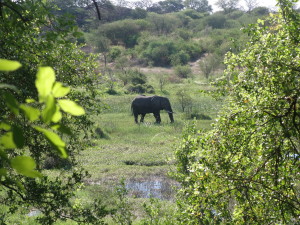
(138, 163)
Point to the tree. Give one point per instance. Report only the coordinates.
(246, 169)
(124, 32)
(227, 5)
(184, 99)
(163, 24)
(101, 44)
(162, 81)
(31, 120)
(209, 64)
(144, 4)
(198, 5)
(169, 6)
(251, 4)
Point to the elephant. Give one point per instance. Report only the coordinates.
(142, 105)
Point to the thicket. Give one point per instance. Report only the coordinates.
(246, 169)
(35, 125)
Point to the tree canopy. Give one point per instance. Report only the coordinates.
(35, 119)
(246, 170)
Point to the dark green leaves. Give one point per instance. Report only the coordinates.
(11, 102)
(242, 168)
(55, 141)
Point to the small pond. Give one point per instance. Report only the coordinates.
(156, 187)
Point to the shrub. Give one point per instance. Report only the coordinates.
(193, 49)
(99, 133)
(159, 52)
(216, 21)
(137, 77)
(180, 58)
(183, 71)
(140, 88)
(199, 116)
(114, 53)
(260, 11)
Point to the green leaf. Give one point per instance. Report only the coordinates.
(29, 100)
(49, 110)
(44, 82)
(59, 90)
(5, 126)
(7, 140)
(3, 172)
(13, 138)
(11, 102)
(9, 65)
(25, 165)
(18, 136)
(30, 112)
(55, 141)
(71, 107)
(62, 128)
(57, 115)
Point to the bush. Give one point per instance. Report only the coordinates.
(114, 53)
(183, 71)
(260, 11)
(137, 77)
(140, 88)
(99, 133)
(199, 116)
(180, 58)
(159, 52)
(216, 21)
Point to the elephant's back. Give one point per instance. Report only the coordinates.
(142, 104)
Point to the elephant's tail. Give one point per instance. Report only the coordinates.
(131, 107)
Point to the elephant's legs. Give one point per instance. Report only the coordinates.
(171, 117)
(157, 117)
(136, 117)
(142, 117)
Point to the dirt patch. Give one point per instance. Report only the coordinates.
(157, 70)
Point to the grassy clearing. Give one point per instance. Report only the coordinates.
(140, 154)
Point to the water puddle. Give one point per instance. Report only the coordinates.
(155, 187)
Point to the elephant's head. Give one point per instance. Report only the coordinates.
(163, 103)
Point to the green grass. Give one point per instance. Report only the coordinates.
(122, 149)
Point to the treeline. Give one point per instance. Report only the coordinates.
(169, 33)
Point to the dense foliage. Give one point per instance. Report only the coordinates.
(30, 34)
(246, 170)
